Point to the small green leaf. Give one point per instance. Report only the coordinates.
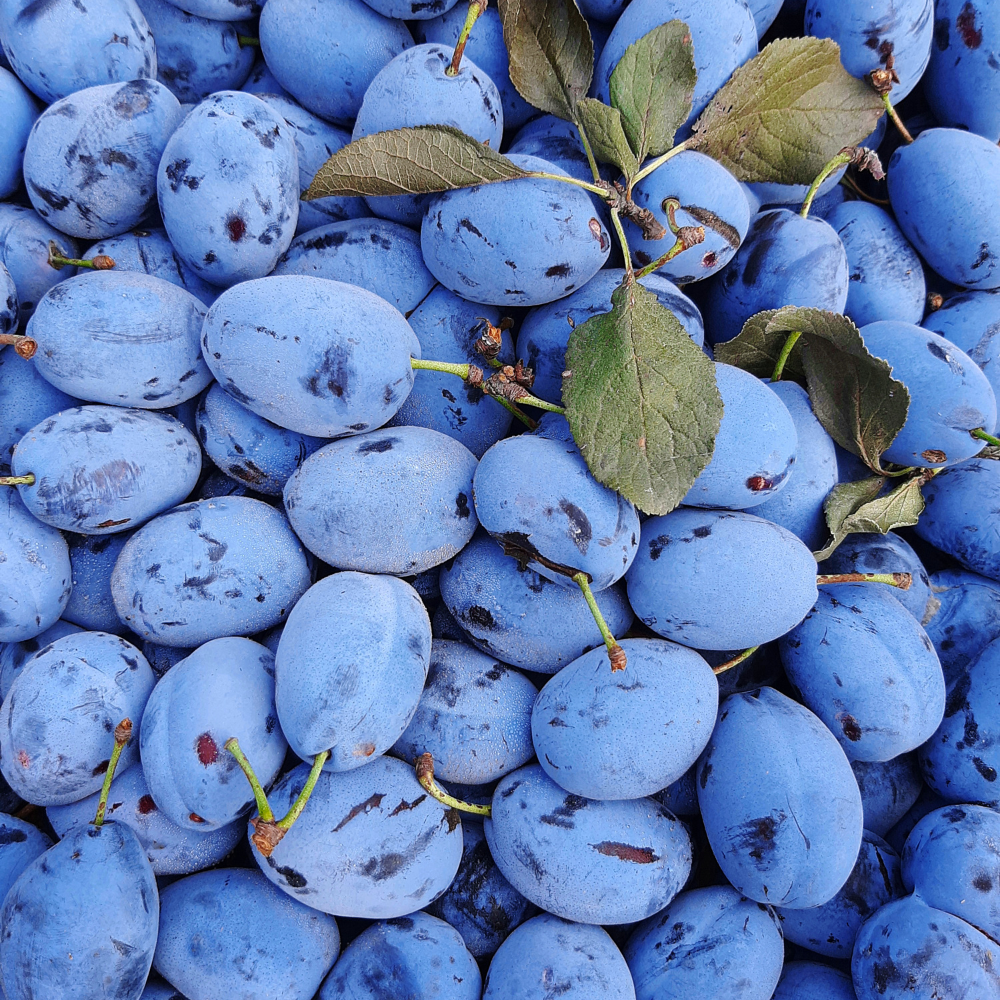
(860, 507)
(641, 400)
(551, 53)
(603, 126)
(652, 86)
(787, 112)
(756, 348)
(411, 161)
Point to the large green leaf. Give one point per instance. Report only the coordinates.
(411, 161)
(641, 400)
(603, 126)
(787, 112)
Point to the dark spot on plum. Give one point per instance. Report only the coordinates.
(210, 257)
(579, 530)
(481, 616)
(362, 808)
(293, 879)
(236, 227)
(462, 506)
(706, 773)
(101, 768)
(377, 447)
(657, 545)
(558, 271)
(146, 805)
(208, 752)
(850, 727)
(626, 852)
(702, 532)
(972, 37)
(982, 882)
(757, 483)
(988, 773)
(405, 806)
(562, 816)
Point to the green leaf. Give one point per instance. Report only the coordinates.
(860, 507)
(756, 348)
(652, 86)
(411, 161)
(641, 400)
(603, 126)
(786, 113)
(551, 53)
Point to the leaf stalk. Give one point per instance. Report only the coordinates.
(786, 350)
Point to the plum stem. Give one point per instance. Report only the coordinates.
(518, 412)
(660, 160)
(295, 810)
(900, 580)
(626, 253)
(896, 120)
(476, 9)
(248, 41)
(563, 179)
(24, 347)
(462, 371)
(842, 158)
(786, 350)
(983, 436)
(123, 733)
(263, 806)
(59, 260)
(473, 375)
(425, 775)
(686, 237)
(615, 653)
(28, 480)
(735, 661)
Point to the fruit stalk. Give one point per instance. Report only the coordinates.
(504, 384)
(248, 41)
(476, 9)
(263, 806)
(28, 480)
(660, 160)
(123, 733)
(900, 580)
(686, 237)
(615, 653)
(59, 260)
(268, 833)
(735, 661)
(24, 347)
(425, 775)
(983, 436)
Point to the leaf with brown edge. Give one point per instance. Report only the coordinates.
(652, 86)
(786, 113)
(603, 126)
(756, 348)
(641, 400)
(551, 53)
(411, 161)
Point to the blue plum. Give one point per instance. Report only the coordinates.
(286, 348)
(62, 708)
(20, 112)
(83, 913)
(767, 575)
(962, 81)
(888, 789)
(681, 798)
(162, 658)
(707, 942)
(371, 843)
(785, 260)
(910, 949)
(8, 302)
(754, 449)
(20, 844)
(831, 929)
(555, 508)
(262, 81)
(866, 667)
(544, 333)
(448, 328)
(328, 69)
(886, 277)
(954, 226)
(595, 862)
(397, 500)
(14, 655)
(196, 56)
(723, 33)
(126, 339)
(971, 321)
(224, 689)
(764, 12)
(519, 243)
(547, 954)
(949, 395)
(159, 989)
(781, 807)
(376, 254)
(93, 557)
(101, 469)
(249, 448)
(414, 89)
(812, 981)
(224, 10)
(952, 861)
(963, 617)
(521, 617)
(798, 506)
(228, 188)
(171, 849)
(208, 569)
(35, 574)
(26, 399)
(91, 159)
(61, 47)
(151, 252)
(480, 903)
(486, 49)
(407, 958)
(474, 716)
(960, 761)
(927, 801)
(606, 735)
(315, 142)
(350, 666)
(231, 919)
(868, 34)
(710, 197)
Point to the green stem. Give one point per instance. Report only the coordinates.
(896, 120)
(615, 653)
(838, 161)
(58, 260)
(563, 179)
(123, 733)
(286, 821)
(476, 9)
(462, 371)
(900, 580)
(786, 350)
(660, 160)
(425, 775)
(680, 245)
(735, 661)
(263, 806)
(983, 436)
(518, 412)
(248, 41)
(540, 404)
(626, 253)
(28, 480)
